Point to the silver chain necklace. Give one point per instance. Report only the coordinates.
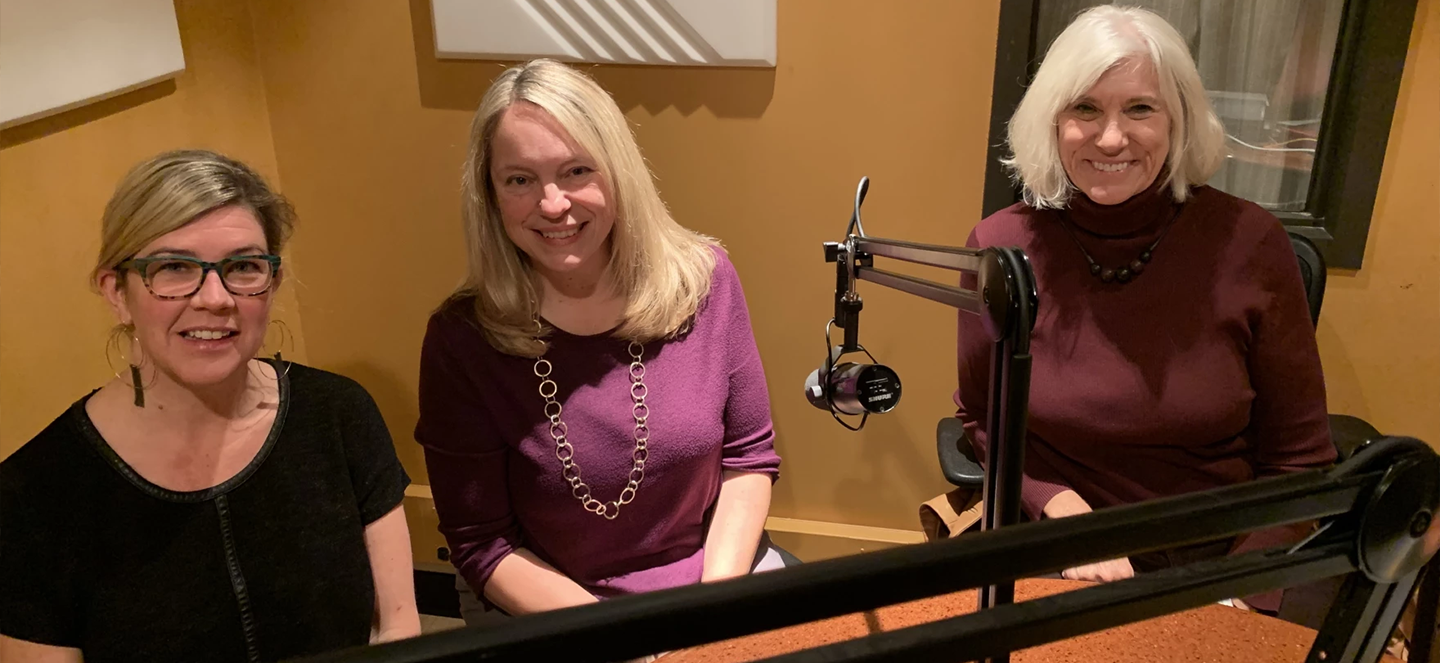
(570, 470)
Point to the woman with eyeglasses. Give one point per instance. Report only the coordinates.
(205, 504)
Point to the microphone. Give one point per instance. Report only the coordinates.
(849, 387)
(852, 388)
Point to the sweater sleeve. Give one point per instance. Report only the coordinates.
(41, 586)
(465, 459)
(1039, 483)
(1289, 429)
(749, 444)
(378, 478)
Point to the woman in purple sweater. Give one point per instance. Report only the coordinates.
(1173, 350)
(592, 405)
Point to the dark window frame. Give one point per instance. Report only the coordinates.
(1359, 108)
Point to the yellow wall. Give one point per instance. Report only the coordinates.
(366, 130)
(57, 173)
(1380, 328)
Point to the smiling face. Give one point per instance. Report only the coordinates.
(1115, 138)
(211, 335)
(553, 201)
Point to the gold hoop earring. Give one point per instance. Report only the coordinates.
(136, 383)
(286, 338)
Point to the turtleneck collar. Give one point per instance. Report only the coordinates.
(1143, 212)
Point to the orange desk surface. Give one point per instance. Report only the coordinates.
(1207, 634)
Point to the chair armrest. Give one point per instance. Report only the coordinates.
(957, 458)
(1349, 434)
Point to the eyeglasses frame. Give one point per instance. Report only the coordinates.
(139, 265)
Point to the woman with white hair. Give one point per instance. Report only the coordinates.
(587, 305)
(1173, 350)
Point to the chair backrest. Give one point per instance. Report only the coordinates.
(1312, 272)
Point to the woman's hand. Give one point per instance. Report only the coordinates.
(1237, 603)
(1115, 569)
(1069, 503)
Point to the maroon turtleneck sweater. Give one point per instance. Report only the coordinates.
(1201, 372)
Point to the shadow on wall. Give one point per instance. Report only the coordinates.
(1342, 381)
(45, 126)
(887, 454)
(732, 92)
(399, 403)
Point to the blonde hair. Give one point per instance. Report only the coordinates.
(661, 269)
(172, 189)
(1096, 41)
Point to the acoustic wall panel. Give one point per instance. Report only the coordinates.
(725, 33)
(59, 54)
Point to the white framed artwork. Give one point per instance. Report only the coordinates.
(715, 33)
(56, 55)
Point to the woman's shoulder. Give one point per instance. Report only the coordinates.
(52, 465)
(456, 317)
(318, 386)
(1240, 223)
(303, 376)
(724, 299)
(454, 332)
(726, 289)
(458, 310)
(1218, 205)
(724, 271)
(1012, 226)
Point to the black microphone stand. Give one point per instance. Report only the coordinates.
(1377, 527)
(1005, 299)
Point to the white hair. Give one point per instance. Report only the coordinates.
(1096, 41)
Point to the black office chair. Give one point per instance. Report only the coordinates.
(957, 458)
(1312, 272)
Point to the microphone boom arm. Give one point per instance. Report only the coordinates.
(933, 255)
(1006, 300)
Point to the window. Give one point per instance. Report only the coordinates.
(1306, 90)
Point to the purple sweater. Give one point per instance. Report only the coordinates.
(496, 480)
(1200, 373)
